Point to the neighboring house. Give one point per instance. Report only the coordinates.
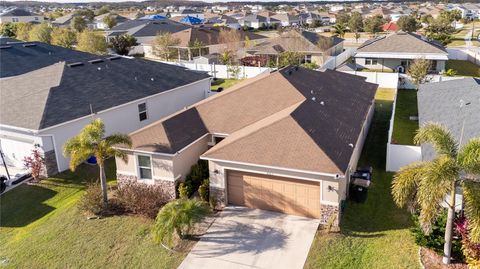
(390, 27)
(64, 21)
(145, 31)
(285, 141)
(207, 38)
(287, 19)
(310, 18)
(98, 22)
(188, 12)
(396, 51)
(257, 21)
(316, 48)
(20, 15)
(49, 93)
(453, 103)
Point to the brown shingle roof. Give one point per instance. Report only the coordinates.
(294, 118)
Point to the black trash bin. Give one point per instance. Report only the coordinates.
(358, 193)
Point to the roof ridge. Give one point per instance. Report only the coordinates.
(262, 124)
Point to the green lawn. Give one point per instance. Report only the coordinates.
(374, 234)
(41, 227)
(225, 83)
(403, 128)
(463, 68)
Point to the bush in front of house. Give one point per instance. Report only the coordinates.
(436, 239)
(92, 200)
(177, 218)
(203, 190)
(198, 172)
(142, 199)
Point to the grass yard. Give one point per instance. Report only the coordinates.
(224, 83)
(403, 128)
(463, 68)
(374, 234)
(41, 227)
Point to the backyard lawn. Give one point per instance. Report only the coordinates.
(41, 227)
(374, 234)
(463, 68)
(404, 129)
(224, 83)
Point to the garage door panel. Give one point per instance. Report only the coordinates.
(291, 196)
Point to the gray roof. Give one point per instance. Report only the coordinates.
(18, 12)
(57, 93)
(441, 102)
(402, 42)
(24, 57)
(146, 27)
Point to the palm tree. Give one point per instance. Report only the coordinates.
(340, 29)
(423, 186)
(91, 141)
(178, 216)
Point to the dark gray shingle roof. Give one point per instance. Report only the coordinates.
(58, 93)
(442, 102)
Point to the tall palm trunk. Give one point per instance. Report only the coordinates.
(103, 182)
(447, 248)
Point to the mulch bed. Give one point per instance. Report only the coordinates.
(432, 260)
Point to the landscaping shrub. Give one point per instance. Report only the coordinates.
(203, 190)
(436, 239)
(470, 249)
(183, 190)
(194, 179)
(178, 217)
(142, 199)
(91, 201)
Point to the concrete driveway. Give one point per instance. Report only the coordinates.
(251, 238)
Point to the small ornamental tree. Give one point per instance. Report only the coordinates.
(418, 71)
(35, 163)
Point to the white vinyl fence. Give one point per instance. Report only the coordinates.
(399, 155)
(334, 61)
(384, 80)
(464, 54)
(406, 83)
(224, 71)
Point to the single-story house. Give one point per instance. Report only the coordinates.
(257, 21)
(20, 15)
(396, 51)
(198, 41)
(98, 21)
(64, 21)
(188, 12)
(49, 93)
(287, 19)
(316, 48)
(285, 141)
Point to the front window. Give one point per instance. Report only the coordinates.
(370, 61)
(145, 167)
(142, 111)
(14, 19)
(36, 18)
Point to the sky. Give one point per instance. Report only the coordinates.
(209, 1)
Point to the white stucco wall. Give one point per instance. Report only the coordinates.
(124, 119)
(5, 19)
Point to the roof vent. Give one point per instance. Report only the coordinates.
(29, 45)
(114, 58)
(5, 47)
(322, 103)
(313, 98)
(75, 64)
(96, 61)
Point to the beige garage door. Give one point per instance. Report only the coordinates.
(290, 196)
